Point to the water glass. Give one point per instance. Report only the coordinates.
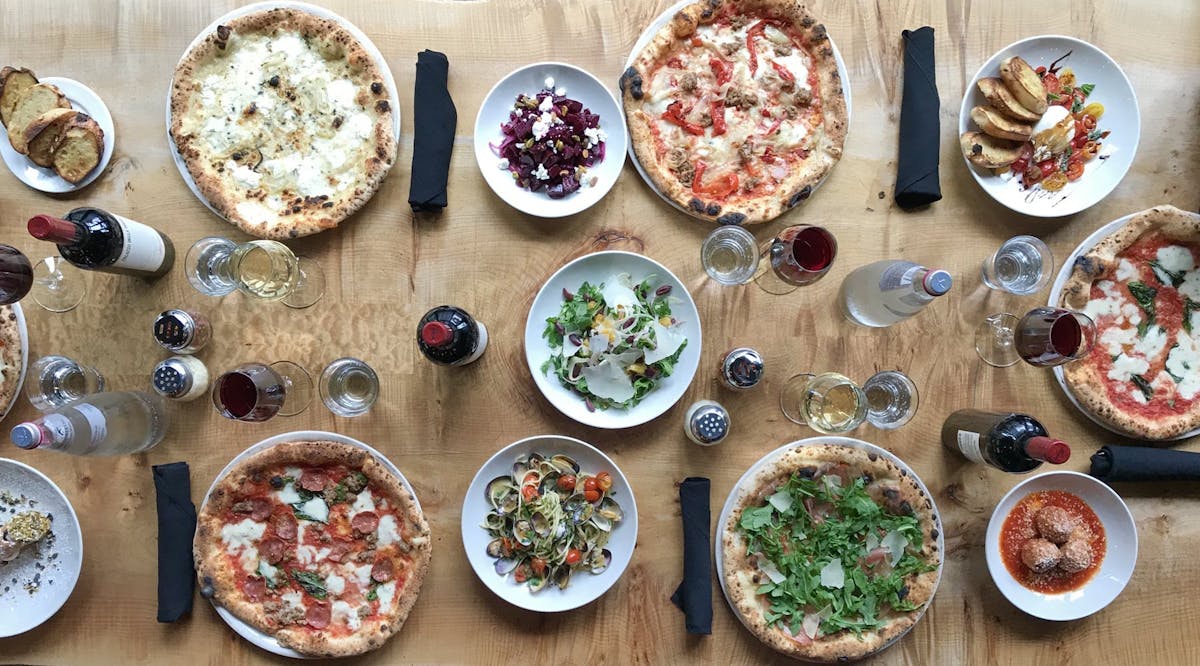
(1022, 266)
(55, 381)
(349, 387)
(891, 399)
(730, 255)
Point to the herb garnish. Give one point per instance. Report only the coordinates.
(1087, 88)
(374, 593)
(1144, 295)
(1189, 306)
(1173, 278)
(1143, 385)
(298, 509)
(312, 583)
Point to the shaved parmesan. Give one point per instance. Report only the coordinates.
(608, 380)
(386, 533)
(598, 343)
(781, 500)
(568, 346)
(768, 567)
(317, 508)
(617, 292)
(895, 543)
(811, 624)
(668, 342)
(872, 541)
(832, 575)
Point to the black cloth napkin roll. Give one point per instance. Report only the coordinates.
(176, 527)
(694, 594)
(920, 128)
(1143, 463)
(434, 120)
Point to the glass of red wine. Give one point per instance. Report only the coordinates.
(799, 256)
(1044, 337)
(257, 392)
(56, 285)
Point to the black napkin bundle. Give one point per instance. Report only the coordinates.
(434, 120)
(176, 527)
(694, 594)
(1142, 463)
(917, 173)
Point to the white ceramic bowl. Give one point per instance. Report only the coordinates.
(595, 268)
(580, 86)
(584, 587)
(1121, 116)
(1120, 555)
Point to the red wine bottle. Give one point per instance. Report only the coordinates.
(16, 275)
(449, 336)
(1011, 442)
(93, 239)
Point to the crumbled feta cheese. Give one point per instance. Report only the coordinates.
(595, 136)
(547, 104)
(550, 82)
(503, 163)
(541, 173)
(560, 91)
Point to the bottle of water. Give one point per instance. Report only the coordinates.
(101, 424)
(890, 291)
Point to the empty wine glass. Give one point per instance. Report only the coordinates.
(265, 269)
(1044, 337)
(799, 256)
(1022, 266)
(55, 381)
(257, 392)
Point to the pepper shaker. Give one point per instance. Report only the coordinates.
(742, 368)
(182, 331)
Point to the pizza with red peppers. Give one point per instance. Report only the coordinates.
(315, 543)
(735, 108)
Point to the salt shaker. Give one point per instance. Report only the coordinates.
(706, 423)
(742, 368)
(182, 331)
(180, 378)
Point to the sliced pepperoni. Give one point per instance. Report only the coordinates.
(317, 616)
(382, 572)
(285, 526)
(254, 588)
(338, 550)
(365, 522)
(273, 550)
(260, 508)
(313, 481)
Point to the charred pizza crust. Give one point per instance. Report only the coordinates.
(803, 177)
(891, 486)
(295, 210)
(210, 556)
(11, 358)
(1082, 377)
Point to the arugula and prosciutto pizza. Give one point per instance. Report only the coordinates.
(735, 108)
(830, 553)
(1141, 286)
(316, 544)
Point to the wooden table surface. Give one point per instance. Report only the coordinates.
(386, 268)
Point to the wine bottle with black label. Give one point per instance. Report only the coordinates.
(450, 336)
(97, 240)
(1015, 443)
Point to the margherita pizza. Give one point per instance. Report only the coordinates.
(283, 120)
(1141, 286)
(735, 108)
(830, 553)
(12, 358)
(315, 543)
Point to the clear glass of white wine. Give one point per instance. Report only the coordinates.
(264, 269)
(832, 403)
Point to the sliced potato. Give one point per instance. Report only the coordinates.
(1024, 83)
(999, 96)
(987, 151)
(994, 123)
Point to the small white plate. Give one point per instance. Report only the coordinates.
(1064, 274)
(744, 485)
(584, 587)
(596, 268)
(23, 332)
(579, 85)
(368, 45)
(1120, 535)
(82, 98)
(1121, 116)
(652, 30)
(21, 611)
(244, 630)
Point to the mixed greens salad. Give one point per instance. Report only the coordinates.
(834, 559)
(613, 343)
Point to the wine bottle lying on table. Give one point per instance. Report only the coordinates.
(97, 240)
(1010, 442)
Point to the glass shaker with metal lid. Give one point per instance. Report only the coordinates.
(742, 368)
(180, 378)
(182, 331)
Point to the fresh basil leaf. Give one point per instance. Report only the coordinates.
(1143, 385)
(1144, 295)
(1172, 278)
(1144, 326)
(1087, 88)
(311, 582)
(1189, 306)
(299, 511)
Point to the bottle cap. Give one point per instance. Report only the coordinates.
(172, 378)
(742, 368)
(436, 333)
(706, 423)
(1054, 451)
(48, 227)
(27, 436)
(937, 282)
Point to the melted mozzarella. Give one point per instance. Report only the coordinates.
(1109, 305)
(1184, 362)
(293, 599)
(364, 502)
(1125, 367)
(1175, 259)
(267, 571)
(1191, 285)
(387, 533)
(1152, 343)
(1126, 271)
(287, 494)
(237, 536)
(317, 508)
(343, 612)
(1115, 339)
(362, 573)
(307, 555)
(385, 593)
(335, 584)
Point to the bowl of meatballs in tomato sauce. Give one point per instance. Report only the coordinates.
(1061, 545)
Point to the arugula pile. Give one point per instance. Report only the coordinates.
(803, 551)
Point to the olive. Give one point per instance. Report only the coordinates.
(277, 482)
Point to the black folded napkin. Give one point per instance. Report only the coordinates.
(434, 120)
(694, 594)
(1142, 463)
(917, 173)
(176, 527)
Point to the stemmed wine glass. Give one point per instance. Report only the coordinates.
(799, 256)
(1044, 337)
(56, 285)
(265, 269)
(832, 403)
(257, 392)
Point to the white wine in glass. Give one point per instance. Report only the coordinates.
(828, 403)
(265, 269)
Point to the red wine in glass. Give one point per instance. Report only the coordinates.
(252, 392)
(803, 254)
(1047, 337)
(16, 275)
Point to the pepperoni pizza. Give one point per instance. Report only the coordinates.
(315, 543)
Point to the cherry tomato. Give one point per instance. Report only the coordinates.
(1019, 166)
(1032, 175)
(604, 481)
(1090, 150)
(567, 482)
(1041, 69)
(696, 41)
(591, 495)
(1074, 170)
(1088, 121)
(539, 566)
(1048, 167)
(530, 477)
(520, 574)
(530, 493)
(1051, 82)
(1054, 182)
(574, 556)
(590, 483)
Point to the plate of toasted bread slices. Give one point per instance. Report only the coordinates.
(59, 133)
